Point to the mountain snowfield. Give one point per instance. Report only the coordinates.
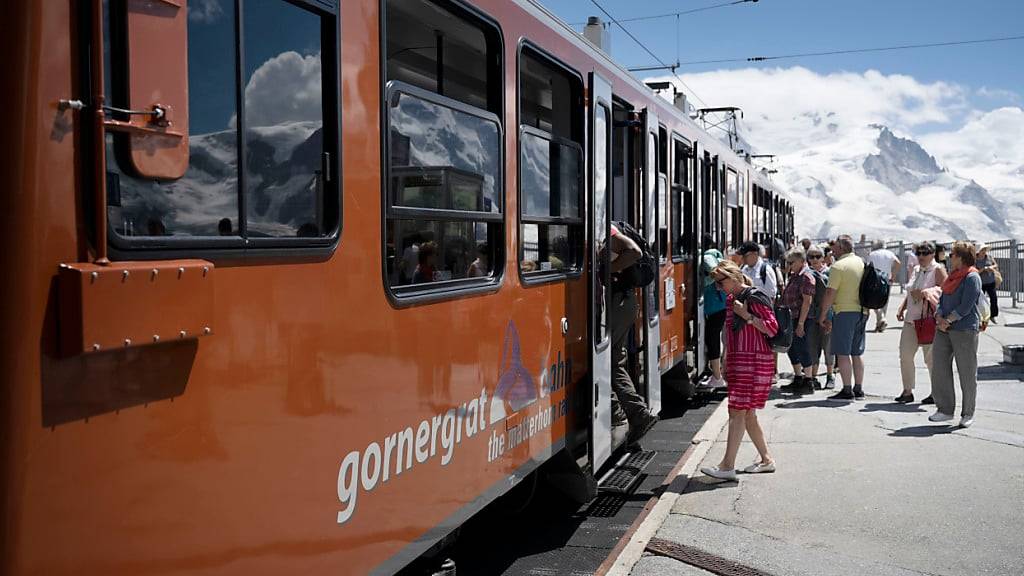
(881, 155)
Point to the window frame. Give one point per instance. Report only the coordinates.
(677, 191)
(433, 292)
(259, 249)
(538, 277)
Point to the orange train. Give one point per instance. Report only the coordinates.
(300, 286)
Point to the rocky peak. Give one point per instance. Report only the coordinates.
(901, 164)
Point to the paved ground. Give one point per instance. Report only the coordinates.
(870, 487)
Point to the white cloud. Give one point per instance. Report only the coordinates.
(987, 148)
(285, 88)
(785, 106)
(205, 11)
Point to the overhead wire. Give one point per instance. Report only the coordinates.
(680, 13)
(648, 50)
(852, 51)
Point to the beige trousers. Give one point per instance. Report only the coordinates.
(908, 350)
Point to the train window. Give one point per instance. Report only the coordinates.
(682, 200)
(663, 194)
(602, 176)
(550, 166)
(444, 225)
(442, 48)
(264, 174)
(444, 189)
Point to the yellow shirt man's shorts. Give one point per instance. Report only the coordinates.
(850, 322)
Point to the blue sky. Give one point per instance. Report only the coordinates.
(772, 27)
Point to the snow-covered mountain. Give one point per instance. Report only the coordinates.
(873, 182)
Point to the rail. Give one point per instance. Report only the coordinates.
(1009, 254)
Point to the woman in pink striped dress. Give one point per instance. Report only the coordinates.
(749, 366)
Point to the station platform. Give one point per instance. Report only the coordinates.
(865, 487)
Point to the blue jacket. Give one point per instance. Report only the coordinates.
(714, 299)
(961, 307)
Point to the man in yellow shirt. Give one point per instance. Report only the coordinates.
(850, 321)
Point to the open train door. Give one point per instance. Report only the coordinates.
(599, 223)
(699, 200)
(649, 226)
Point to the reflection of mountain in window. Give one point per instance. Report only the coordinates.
(282, 124)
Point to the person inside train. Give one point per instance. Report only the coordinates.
(627, 404)
(714, 311)
(481, 266)
(427, 258)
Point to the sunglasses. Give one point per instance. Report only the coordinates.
(923, 253)
(814, 257)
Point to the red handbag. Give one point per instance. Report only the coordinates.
(925, 327)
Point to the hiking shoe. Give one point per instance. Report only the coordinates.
(992, 320)
(966, 421)
(817, 384)
(940, 417)
(904, 398)
(928, 400)
(844, 394)
(858, 392)
(642, 428)
(794, 385)
(715, 472)
(760, 468)
(830, 382)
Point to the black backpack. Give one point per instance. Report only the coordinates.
(645, 269)
(873, 289)
(783, 339)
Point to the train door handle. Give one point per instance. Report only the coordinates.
(565, 326)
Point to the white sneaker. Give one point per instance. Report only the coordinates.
(715, 472)
(966, 421)
(940, 417)
(717, 383)
(760, 468)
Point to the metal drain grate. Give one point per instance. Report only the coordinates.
(701, 559)
(606, 505)
(620, 481)
(638, 460)
(626, 475)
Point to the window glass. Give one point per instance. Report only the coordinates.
(429, 251)
(286, 190)
(284, 120)
(204, 202)
(551, 174)
(549, 248)
(601, 188)
(732, 188)
(431, 47)
(442, 157)
(444, 192)
(680, 198)
(550, 166)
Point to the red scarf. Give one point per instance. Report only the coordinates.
(954, 279)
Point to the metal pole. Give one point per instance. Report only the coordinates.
(1014, 271)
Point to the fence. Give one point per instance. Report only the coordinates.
(1008, 254)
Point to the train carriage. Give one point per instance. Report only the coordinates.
(301, 285)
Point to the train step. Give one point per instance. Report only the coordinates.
(624, 477)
